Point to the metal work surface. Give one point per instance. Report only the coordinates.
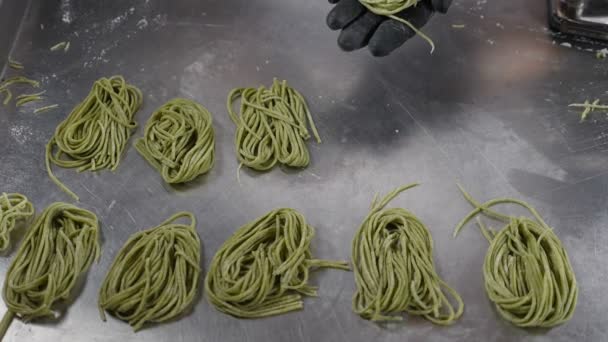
(488, 109)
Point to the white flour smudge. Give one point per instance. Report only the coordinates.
(66, 12)
(160, 19)
(142, 24)
(114, 23)
(21, 134)
(119, 20)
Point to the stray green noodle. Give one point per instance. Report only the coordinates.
(589, 107)
(26, 98)
(45, 109)
(4, 86)
(59, 46)
(15, 65)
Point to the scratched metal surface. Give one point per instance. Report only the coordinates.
(487, 109)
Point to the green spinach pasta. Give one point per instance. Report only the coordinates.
(390, 8)
(14, 208)
(57, 249)
(271, 126)
(263, 268)
(392, 255)
(155, 275)
(95, 134)
(527, 272)
(179, 141)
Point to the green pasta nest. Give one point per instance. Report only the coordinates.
(179, 141)
(527, 271)
(271, 126)
(58, 248)
(95, 134)
(155, 275)
(392, 255)
(263, 268)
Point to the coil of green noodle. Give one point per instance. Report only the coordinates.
(14, 208)
(391, 7)
(392, 255)
(179, 141)
(527, 272)
(155, 275)
(263, 268)
(95, 133)
(271, 126)
(57, 249)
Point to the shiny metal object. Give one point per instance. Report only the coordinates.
(580, 17)
(488, 110)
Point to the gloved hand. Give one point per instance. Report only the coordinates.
(382, 35)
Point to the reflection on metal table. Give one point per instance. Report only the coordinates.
(488, 109)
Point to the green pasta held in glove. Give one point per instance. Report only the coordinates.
(271, 126)
(95, 134)
(14, 208)
(263, 268)
(392, 256)
(155, 275)
(57, 249)
(527, 272)
(391, 8)
(179, 141)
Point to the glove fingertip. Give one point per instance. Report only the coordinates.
(332, 22)
(388, 37)
(345, 12)
(347, 44)
(441, 6)
(377, 49)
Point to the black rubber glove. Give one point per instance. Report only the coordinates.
(382, 35)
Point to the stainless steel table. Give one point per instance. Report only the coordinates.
(488, 109)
